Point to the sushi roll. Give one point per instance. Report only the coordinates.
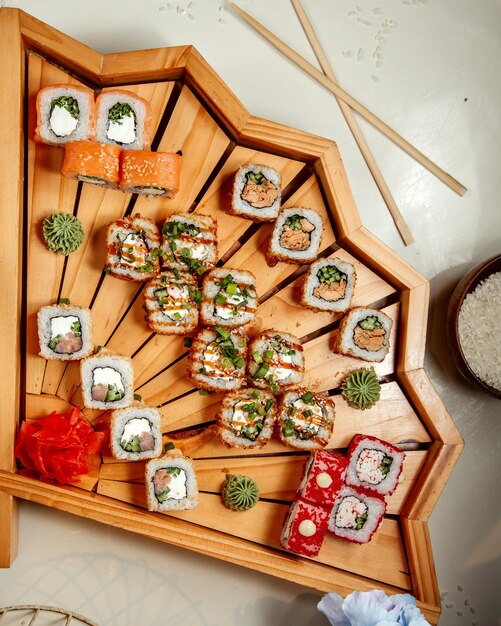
(190, 242)
(329, 285)
(246, 418)
(296, 236)
(229, 298)
(305, 528)
(374, 465)
(107, 381)
(64, 332)
(323, 477)
(356, 515)
(217, 359)
(256, 193)
(276, 360)
(123, 119)
(64, 113)
(150, 174)
(133, 245)
(172, 300)
(171, 484)
(135, 433)
(305, 419)
(92, 162)
(365, 334)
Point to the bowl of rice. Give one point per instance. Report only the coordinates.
(474, 326)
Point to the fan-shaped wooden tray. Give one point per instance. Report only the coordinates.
(195, 112)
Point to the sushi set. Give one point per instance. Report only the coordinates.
(196, 285)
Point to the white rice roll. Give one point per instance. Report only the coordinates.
(257, 193)
(65, 113)
(305, 419)
(123, 119)
(296, 236)
(171, 301)
(171, 484)
(229, 298)
(64, 332)
(189, 242)
(246, 418)
(276, 360)
(356, 515)
(135, 433)
(217, 359)
(329, 285)
(365, 334)
(107, 381)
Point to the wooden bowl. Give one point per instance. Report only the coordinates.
(465, 286)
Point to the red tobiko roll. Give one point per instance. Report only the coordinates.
(356, 515)
(323, 477)
(58, 446)
(305, 528)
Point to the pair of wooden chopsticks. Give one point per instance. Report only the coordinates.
(347, 103)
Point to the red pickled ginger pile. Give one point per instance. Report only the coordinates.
(58, 446)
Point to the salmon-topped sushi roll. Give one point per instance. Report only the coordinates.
(92, 162)
(150, 173)
(124, 119)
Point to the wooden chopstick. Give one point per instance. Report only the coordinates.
(397, 216)
(446, 178)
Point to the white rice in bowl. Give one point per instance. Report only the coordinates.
(479, 329)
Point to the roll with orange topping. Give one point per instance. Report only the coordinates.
(92, 162)
(150, 173)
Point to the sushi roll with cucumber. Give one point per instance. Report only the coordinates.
(64, 113)
(107, 381)
(92, 162)
(171, 484)
(133, 245)
(374, 465)
(296, 236)
(64, 332)
(135, 433)
(329, 285)
(229, 298)
(305, 419)
(276, 361)
(151, 174)
(123, 119)
(305, 528)
(257, 193)
(190, 242)
(356, 515)
(217, 359)
(246, 418)
(323, 477)
(365, 334)
(171, 301)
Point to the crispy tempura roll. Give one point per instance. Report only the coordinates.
(150, 173)
(172, 300)
(276, 360)
(189, 242)
(229, 298)
(123, 119)
(305, 419)
(92, 162)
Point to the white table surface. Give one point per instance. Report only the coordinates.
(437, 82)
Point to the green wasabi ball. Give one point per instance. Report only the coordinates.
(240, 493)
(63, 233)
(361, 389)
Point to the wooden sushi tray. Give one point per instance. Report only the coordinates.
(194, 111)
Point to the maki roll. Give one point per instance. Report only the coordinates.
(64, 332)
(276, 360)
(229, 298)
(92, 162)
(123, 119)
(356, 515)
(190, 242)
(323, 477)
(305, 528)
(374, 465)
(246, 418)
(107, 381)
(64, 113)
(329, 285)
(365, 334)
(133, 248)
(217, 359)
(171, 484)
(296, 236)
(150, 174)
(135, 433)
(172, 300)
(305, 419)
(256, 193)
